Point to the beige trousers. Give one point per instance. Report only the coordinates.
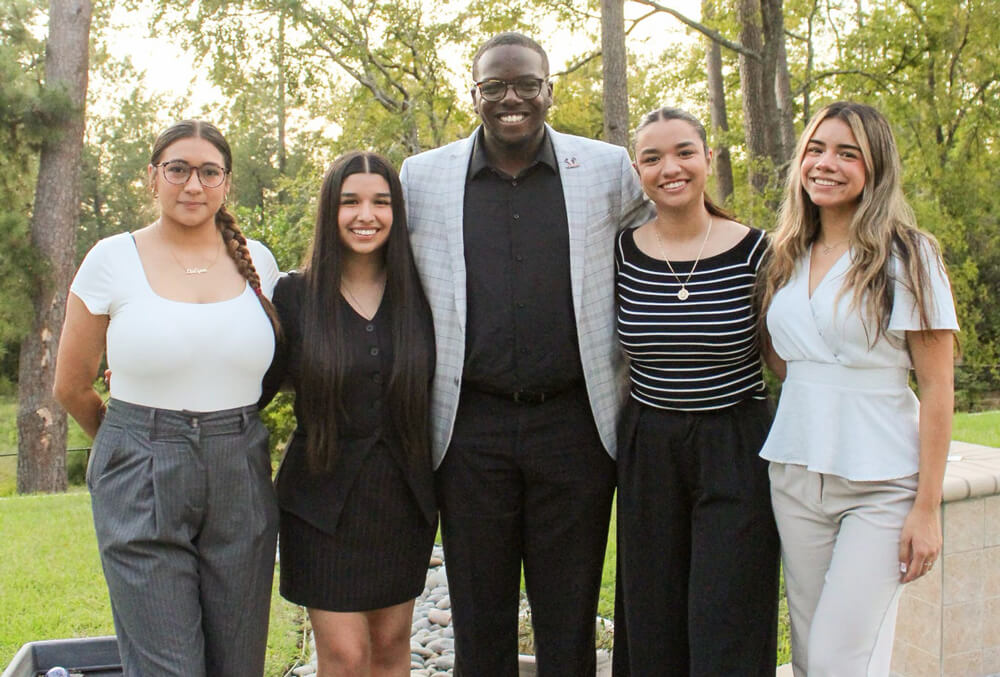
(839, 550)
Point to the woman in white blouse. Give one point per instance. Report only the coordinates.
(180, 476)
(855, 296)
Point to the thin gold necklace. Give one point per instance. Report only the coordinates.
(683, 294)
(190, 271)
(827, 248)
(353, 300)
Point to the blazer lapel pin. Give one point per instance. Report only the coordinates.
(570, 163)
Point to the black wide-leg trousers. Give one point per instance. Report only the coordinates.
(532, 484)
(697, 545)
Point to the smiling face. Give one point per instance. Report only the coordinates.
(512, 122)
(189, 205)
(673, 163)
(364, 217)
(833, 168)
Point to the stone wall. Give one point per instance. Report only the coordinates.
(949, 620)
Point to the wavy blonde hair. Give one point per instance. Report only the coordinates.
(883, 226)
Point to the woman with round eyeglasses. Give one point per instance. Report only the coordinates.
(179, 475)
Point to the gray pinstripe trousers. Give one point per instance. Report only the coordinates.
(186, 521)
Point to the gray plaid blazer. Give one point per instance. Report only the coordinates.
(602, 196)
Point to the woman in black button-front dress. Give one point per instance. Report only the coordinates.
(358, 516)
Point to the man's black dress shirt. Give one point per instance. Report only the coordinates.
(521, 328)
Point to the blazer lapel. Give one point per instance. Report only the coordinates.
(573, 173)
(453, 179)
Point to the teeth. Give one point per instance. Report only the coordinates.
(512, 117)
(673, 184)
(364, 232)
(824, 182)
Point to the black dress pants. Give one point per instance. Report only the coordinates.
(532, 484)
(697, 544)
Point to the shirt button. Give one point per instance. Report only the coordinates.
(373, 351)
(517, 216)
(520, 304)
(519, 258)
(514, 182)
(524, 351)
(369, 327)
(377, 378)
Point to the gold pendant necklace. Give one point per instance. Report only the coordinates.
(199, 270)
(683, 294)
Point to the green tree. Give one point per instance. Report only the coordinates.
(24, 110)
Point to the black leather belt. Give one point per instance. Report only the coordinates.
(523, 397)
(533, 396)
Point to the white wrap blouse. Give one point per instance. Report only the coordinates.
(846, 407)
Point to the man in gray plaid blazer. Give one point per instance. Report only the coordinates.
(512, 230)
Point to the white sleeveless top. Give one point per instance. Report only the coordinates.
(171, 354)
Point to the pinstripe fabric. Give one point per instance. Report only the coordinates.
(377, 555)
(186, 521)
(602, 196)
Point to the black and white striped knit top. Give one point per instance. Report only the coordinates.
(698, 354)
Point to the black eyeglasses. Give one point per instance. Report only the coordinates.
(178, 172)
(495, 90)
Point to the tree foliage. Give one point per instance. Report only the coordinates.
(25, 111)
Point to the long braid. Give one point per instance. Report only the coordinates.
(236, 247)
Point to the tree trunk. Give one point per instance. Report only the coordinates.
(753, 100)
(783, 141)
(717, 108)
(613, 64)
(41, 423)
(765, 126)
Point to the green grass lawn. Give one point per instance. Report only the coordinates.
(53, 587)
(978, 428)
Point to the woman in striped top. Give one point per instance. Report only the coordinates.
(698, 549)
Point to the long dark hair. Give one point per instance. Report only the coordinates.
(667, 113)
(232, 236)
(321, 393)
